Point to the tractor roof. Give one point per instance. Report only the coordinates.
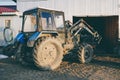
(41, 9)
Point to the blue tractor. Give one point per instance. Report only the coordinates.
(46, 37)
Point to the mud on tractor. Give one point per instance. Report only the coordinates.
(46, 37)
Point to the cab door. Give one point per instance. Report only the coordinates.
(59, 22)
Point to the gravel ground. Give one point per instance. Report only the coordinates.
(102, 67)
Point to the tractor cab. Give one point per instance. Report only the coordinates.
(42, 22)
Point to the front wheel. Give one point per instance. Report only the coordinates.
(85, 53)
(47, 53)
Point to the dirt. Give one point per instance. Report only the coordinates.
(102, 67)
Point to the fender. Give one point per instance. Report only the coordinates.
(36, 35)
(32, 39)
(20, 38)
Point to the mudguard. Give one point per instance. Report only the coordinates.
(34, 36)
(20, 38)
(32, 39)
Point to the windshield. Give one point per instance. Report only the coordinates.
(30, 22)
(47, 21)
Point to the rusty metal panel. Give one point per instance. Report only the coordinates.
(112, 30)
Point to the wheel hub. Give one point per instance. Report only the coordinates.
(49, 53)
(87, 54)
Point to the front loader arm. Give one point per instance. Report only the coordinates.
(91, 30)
(79, 26)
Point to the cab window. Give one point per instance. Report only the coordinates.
(59, 22)
(47, 21)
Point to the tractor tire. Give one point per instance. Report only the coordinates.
(47, 53)
(85, 53)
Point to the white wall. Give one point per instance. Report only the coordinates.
(15, 25)
(74, 7)
(119, 18)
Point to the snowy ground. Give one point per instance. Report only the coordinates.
(3, 56)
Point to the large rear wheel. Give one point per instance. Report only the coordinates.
(47, 53)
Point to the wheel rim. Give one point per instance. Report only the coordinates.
(87, 54)
(49, 53)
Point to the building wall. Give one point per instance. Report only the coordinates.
(119, 17)
(15, 26)
(74, 7)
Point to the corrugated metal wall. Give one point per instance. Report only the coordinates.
(96, 7)
(75, 7)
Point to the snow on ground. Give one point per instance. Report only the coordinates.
(3, 56)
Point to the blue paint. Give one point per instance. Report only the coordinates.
(34, 36)
(20, 38)
(46, 14)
